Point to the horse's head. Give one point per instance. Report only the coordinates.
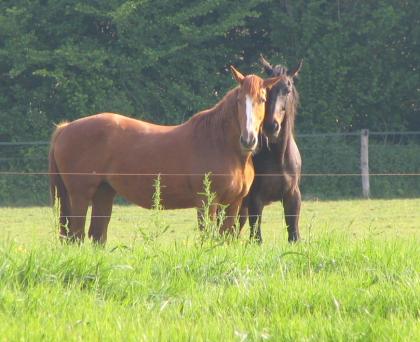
(281, 100)
(251, 106)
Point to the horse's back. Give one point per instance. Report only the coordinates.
(105, 123)
(105, 128)
(103, 143)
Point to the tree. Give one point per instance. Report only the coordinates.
(361, 60)
(159, 61)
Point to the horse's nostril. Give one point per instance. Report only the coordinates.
(275, 126)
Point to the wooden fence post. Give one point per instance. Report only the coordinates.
(364, 162)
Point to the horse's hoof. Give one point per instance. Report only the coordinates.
(257, 240)
(293, 237)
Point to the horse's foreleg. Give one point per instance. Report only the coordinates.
(291, 205)
(228, 226)
(243, 215)
(255, 212)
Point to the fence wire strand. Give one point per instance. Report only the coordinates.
(110, 174)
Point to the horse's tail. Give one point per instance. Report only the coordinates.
(57, 188)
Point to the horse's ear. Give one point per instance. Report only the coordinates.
(270, 82)
(267, 66)
(295, 72)
(237, 75)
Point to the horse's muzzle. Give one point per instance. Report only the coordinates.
(249, 144)
(272, 131)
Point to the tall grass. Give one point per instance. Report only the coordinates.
(334, 289)
(332, 286)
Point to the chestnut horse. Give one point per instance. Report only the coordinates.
(279, 158)
(94, 158)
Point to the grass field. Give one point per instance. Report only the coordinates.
(354, 277)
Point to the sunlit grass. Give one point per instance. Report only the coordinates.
(385, 218)
(354, 277)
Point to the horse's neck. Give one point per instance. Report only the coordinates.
(280, 148)
(227, 120)
(219, 125)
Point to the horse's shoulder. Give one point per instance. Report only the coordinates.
(292, 156)
(236, 181)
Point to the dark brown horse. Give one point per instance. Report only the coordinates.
(279, 158)
(94, 158)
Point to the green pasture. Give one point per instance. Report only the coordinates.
(355, 276)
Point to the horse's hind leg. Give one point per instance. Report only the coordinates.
(101, 213)
(255, 212)
(65, 212)
(291, 205)
(76, 227)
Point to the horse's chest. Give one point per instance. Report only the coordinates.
(238, 185)
(271, 186)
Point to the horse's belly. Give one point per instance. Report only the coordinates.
(146, 191)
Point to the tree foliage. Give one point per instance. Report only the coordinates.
(361, 66)
(165, 60)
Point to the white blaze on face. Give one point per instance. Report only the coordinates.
(249, 117)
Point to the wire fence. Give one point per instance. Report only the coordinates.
(178, 219)
(155, 175)
(331, 167)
